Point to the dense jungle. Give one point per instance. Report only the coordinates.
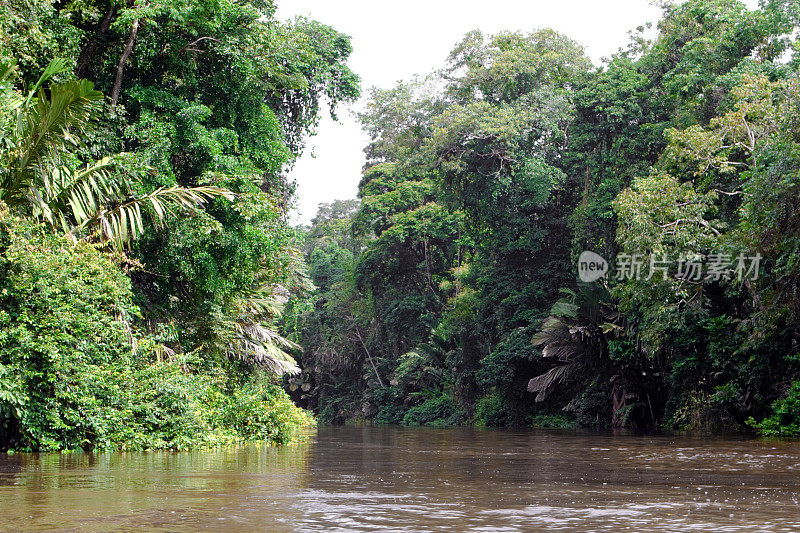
(155, 293)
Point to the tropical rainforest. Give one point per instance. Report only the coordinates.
(145, 254)
(154, 294)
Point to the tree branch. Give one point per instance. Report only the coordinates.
(122, 60)
(371, 362)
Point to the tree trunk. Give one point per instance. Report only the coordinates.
(89, 52)
(371, 362)
(122, 60)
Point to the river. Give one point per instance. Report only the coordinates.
(394, 479)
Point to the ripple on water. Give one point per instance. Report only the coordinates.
(386, 479)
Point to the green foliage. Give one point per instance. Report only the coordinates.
(229, 107)
(210, 102)
(12, 398)
(63, 315)
(41, 177)
(258, 410)
(444, 294)
(490, 411)
(33, 32)
(553, 422)
(438, 411)
(69, 378)
(785, 418)
(486, 179)
(390, 414)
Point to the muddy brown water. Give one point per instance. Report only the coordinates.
(392, 479)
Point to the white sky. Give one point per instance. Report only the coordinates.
(395, 40)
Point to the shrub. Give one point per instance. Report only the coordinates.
(490, 411)
(62, 334)
(169, 407)
(391, 407)
(69, 378)
(438, 411)
(785, 420)
(390, 414)
(262, 411)
(553, 421)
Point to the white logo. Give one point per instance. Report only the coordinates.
(591, 266)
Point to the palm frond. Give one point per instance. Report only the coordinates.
(267, 300)
(43, 131)
(248, 333)
(73, 197)
(56, 66)
(6, 69)
(572, 334)
(563, 351)
(544, 383)
(264, 347)
(565, 309)
(125, 222)
(10, 100)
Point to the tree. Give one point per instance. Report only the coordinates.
(40, 177)
(208, 104)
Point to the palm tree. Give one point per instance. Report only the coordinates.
(40, 176)
(39, 136)
(576, 335)
(249, 332)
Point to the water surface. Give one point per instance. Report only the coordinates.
(391, 479)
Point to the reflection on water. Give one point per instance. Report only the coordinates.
(389, 479)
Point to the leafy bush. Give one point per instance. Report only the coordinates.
(62, 334)
(391, 407)
(592, 408)
(785, 420)
(553, 421)
(438, 411)
(12, 399)
(68, 375)
(390, 415)
(168, 407)
(490, 411)
(260, 411)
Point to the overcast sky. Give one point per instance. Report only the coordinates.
(395, 40)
